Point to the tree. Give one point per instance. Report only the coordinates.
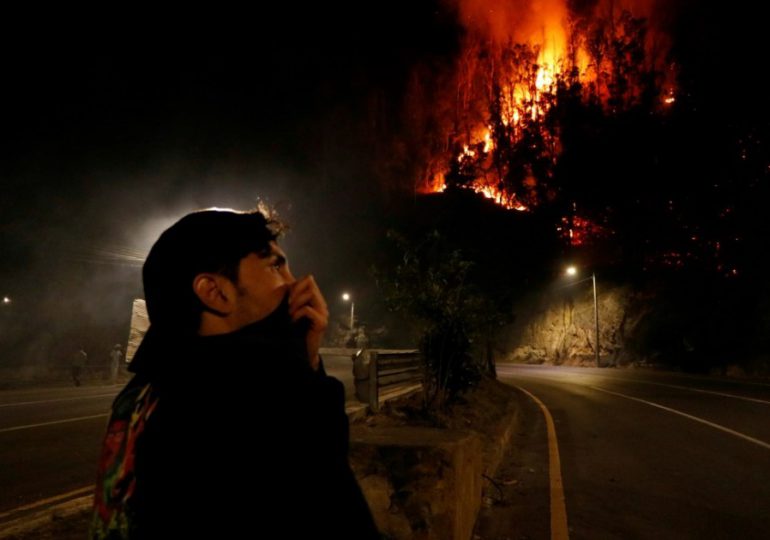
(430, 283)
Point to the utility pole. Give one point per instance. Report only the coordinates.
(349, 298)
(572, 271)
(596, 320)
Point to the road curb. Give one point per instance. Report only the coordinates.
(509, 423)
(356, 410)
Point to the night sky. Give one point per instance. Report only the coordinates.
(113, 129)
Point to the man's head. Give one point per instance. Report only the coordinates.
(215, 271)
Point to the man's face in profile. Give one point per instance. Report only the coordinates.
(263, 282)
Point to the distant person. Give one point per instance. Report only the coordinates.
(78, 362)
(116, 355)
(362, 340)
(230, 427)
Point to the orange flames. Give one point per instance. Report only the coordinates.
(579, 231)
(519, 59)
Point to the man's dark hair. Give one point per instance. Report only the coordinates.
(204, 241)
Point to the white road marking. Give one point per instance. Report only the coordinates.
(689, 416)
(565, 374)
(723, 394)
(56, 498)
(55, 400)
(30, 426)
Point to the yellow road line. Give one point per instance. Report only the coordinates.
(559, 530)
(49, 500)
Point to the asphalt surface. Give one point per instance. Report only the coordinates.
(643, 455)
(50, 439)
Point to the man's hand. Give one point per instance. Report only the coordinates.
(306, 300)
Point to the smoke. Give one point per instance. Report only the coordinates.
(523, 21)
(77, 241)
(546, 22)
(77, 248)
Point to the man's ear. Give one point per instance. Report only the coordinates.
(215, 292)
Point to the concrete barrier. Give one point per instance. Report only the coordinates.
(420, 482)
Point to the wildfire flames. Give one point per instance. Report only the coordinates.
(521, 61)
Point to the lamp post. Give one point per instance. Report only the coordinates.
(572, 271)
(596, 319)
(347, 298)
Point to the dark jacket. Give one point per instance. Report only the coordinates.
(229, 436)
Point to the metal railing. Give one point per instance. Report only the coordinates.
(382, 374)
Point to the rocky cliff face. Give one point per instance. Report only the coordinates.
(559, 328)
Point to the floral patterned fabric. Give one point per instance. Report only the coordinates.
(116, 481)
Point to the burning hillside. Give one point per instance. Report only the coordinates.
(523, 65)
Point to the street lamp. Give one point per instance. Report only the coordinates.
(572, 271)
(347, 298)
(6, 300)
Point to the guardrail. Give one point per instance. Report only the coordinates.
(383, 374)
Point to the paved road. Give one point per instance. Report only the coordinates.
(341, 367)
(648, 454)
(50, 439)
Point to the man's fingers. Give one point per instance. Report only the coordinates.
(318, 319)
(306, 291)
(301, 299)
(305, 284)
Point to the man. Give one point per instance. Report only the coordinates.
(230, 427)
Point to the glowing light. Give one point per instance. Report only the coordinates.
(6, 300)
(571, 271)
(546, 76)
(345, 297)
(499, 197)
(487, 142)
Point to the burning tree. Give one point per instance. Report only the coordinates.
(517, 86)
(571, 116)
